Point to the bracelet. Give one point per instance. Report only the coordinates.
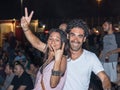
(26, 30)
(56, 73)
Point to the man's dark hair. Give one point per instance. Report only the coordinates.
(20, 64)
(78, 23)
(109, 20)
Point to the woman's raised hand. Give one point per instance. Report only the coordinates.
(59, 52)
(25, 20)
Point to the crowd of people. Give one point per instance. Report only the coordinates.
(64, 62)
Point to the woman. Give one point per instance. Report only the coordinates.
(51, 75)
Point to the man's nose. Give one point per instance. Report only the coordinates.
(76, 38)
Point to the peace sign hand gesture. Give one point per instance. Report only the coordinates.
(25, 20)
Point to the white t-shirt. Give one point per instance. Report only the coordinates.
(79, 71)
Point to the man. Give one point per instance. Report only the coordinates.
(21, 80)
(109, 54)
(9, 76)
(81, 63)
(63, 26)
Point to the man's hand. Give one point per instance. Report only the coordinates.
(108, 53)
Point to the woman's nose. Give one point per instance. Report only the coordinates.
(52, 42)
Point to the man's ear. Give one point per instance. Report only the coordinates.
(84, 39)
(68, 36)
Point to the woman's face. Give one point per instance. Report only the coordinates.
(54, 40)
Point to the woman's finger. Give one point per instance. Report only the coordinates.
(31, 14)
(50, 47)
(53, 48)
(26, 12)
(63, 46)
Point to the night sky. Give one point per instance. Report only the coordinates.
(45, 9)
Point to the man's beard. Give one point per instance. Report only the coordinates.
(75, 46)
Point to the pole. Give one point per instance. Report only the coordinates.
(21, 7)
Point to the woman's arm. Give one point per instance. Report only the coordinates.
(58, 71)
(59, 67)
(25, 22)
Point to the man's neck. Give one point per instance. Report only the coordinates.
(20, 74)
(76, 54)
(110, 31)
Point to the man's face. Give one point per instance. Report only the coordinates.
(76, 38)
(32, 67)
(63, 26)
(17, 70)
(7, 69)
(19, 53)
(106, 26)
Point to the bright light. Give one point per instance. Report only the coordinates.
(43, 26)
(97, 31)
(98, 1)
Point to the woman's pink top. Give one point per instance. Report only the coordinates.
(46, 79)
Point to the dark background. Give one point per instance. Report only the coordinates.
(45, 9)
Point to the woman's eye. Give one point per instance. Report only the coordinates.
(49, 39)
(57, 40)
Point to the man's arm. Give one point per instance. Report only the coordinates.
(113, 52)
(105, 80)
(25, 22)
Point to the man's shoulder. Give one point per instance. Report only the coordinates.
(25, 74)
(90, 55)
(87, 52)
(117, 37)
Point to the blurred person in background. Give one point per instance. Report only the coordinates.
(2, 72)
(33, 69)
(111, 48)
(22, 80)
(63, 26)
(9, 76)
